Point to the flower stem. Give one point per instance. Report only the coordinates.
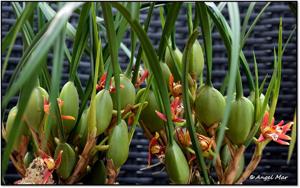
(256, 157)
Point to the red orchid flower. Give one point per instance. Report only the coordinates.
(206, 144)
(101, 84)
(176, 110)
(50, 163)
(60, 103)
(175, 88)
(277, 133)
(142, 79)
(154, 148)
(183, 137)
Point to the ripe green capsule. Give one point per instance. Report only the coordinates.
(9, 126)
(118, 145)
(98, 174)
(127, 92)
(34, 111)
(166, 72)
(169, 60)
(44, 93)
(176, 165)
(148, 115)
(68, 160)
(70, 107)
(104, 108)
(196, 67)
(240, 120)
(209, 105)
(226, 158)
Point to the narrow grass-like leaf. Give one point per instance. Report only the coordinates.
(257, 94)
(135, 10)
(293, 138)
(189, 18)
(226, 34)
(154, 66)
(10, 39)
(25, 93)
(278, 63)
(29, 35)
(252, 26)
(41, 49)
(110, 29)
(265, 103)
(187, 105)
(206, 32)
(26, 28)
(139, 55)
(224, 84)
(11, 36)
(80, 40)
(58, 58)
(98, 60)
(234, 57)
(25, 58)
(289, 38)
(246, 20)
(49, 13)
(262, 85)
(168, 27)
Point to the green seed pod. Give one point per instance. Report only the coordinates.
(226, 158)
(29, 156)
(97, 176)
(176, 165)
(127, 92)
(118, 145)
(170, 62)
(10, 123)
(80, 133)
(44, 93)
(34, 111)
(148, 115)
(166, 72)
(209, 105)
(196, 67)
(68, 160)
(70, 107)
(104, 108)
(240, 120)
(261, 98)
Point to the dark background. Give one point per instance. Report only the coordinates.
(262, 41)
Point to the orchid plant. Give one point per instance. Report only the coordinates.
(65, 135)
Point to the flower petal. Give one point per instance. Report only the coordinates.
(67, 117)
(161, 115)
(178, 120)
(282, 142)
(261, 138)
(284, 137)
(46, 176)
